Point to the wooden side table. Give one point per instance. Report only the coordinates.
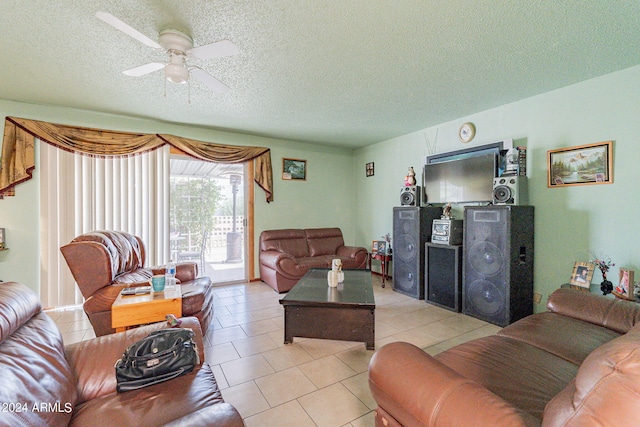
(134, 310)
(384, 264)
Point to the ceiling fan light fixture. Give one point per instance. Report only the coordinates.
(176, 73)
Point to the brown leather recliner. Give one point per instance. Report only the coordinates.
(105, 262)
(45, 383)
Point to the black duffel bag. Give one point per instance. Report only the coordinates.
(161, 356)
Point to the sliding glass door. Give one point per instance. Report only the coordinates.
(207, 217)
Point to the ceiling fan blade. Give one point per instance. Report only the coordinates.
(215, 50)
(206, 78)
(144, 69)
(118, 24)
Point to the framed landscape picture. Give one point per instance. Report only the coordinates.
(580, 165)
(294, 169)
(582, 274)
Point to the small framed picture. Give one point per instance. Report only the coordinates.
(374, 247)
(369, 171)
(1, 238)
(624, 289)
(294, 169)
(382, 247)
(582, 274)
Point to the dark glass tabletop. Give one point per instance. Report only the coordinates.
(312, 288)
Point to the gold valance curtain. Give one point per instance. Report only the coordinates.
(18, 160)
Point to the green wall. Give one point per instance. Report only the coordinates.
(569, 222)
(322, 200)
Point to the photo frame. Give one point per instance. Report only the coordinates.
(580, 165)
(369, 169)
(582, 274)
(294, 169)
(1, 238)
(374, 247)
(382, 247)
(624, 289)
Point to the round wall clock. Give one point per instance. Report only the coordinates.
(467, 132)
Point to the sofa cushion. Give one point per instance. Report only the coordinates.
(151, 406)
(291, 241)
(566, 337)
(521, 374)
(606, 390)
(323, 241)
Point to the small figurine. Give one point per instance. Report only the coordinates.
(410, 179)
(446, 212)
(172, 320)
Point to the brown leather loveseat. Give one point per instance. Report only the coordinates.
(45, 383)
(578, 364)
(286, 255)
(105, 262)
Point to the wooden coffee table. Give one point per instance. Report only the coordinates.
(314, 310)
(134, 310)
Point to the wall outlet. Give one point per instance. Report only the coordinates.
(537, 297)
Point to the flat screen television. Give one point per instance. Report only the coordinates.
(460, 180)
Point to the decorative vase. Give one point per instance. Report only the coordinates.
(606, 286)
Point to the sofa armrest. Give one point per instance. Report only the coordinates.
(612, 313)
(185, 271)
(218, 415)
(418, 390)
(93, 360)
(272, 258)
(352, 251)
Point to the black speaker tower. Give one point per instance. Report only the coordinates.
(443, 275)
(411, 229)
(498, 263)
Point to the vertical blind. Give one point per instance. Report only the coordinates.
(80, 193)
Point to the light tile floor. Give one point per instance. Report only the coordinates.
(310, 382)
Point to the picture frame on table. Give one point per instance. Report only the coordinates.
(374, 247)
(580, 165)
(382, 247)
(2, 241)
(624, 289)
(582, 274)
(294, 169)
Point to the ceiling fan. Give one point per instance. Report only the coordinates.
(179, 48)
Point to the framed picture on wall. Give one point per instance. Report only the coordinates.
(580, 165)
(368, 168)
(582, 274)
(625, 285)
(294, 169)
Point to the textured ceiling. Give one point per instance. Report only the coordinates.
(346, 73)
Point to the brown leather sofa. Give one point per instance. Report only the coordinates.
(45, 383)
(578, 364)
(105, 262)
(286, 255)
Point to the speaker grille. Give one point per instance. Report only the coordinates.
(486, 258)
(443, 275)
(486, 298)
(411, 229)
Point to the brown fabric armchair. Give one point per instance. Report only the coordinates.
(105, 262)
